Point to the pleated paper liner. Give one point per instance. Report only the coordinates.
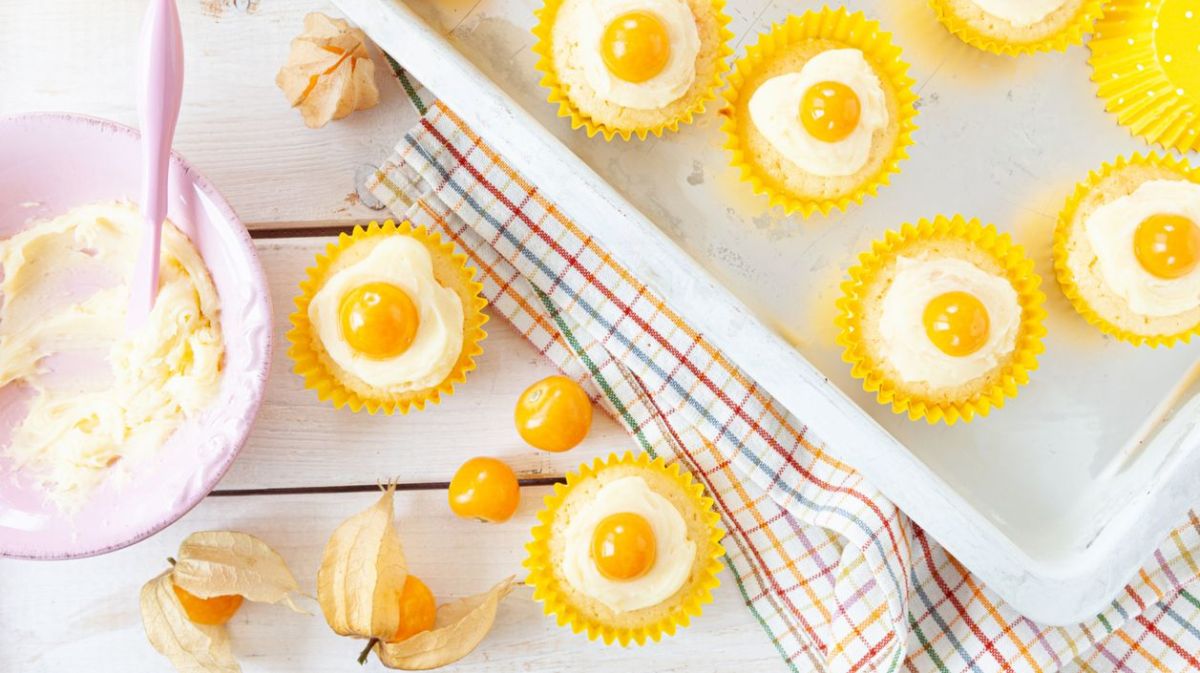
(1146, 64)
(543, 47)
(1071, 33)
(1066, 278)
(546, 582)
(1019, 271)
(451, 271)
(852, 30)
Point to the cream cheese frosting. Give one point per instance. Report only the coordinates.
(65, 290)
(674, 557)
(775, 111)
(1110, 229)
(405, 263)
(904, 341)
(1020, 12)
(586, 29)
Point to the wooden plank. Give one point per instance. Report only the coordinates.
(301, 441)
(83, 615)
(235, 125)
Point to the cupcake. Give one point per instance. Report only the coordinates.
(820, 111)
(1146, 64)
(631, 67)
(389, 318)
(628, 549)
(1018, 26)
(1127, 249)
(942, 319)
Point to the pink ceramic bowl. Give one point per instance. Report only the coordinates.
(50, 163)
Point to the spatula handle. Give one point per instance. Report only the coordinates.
(160, 91)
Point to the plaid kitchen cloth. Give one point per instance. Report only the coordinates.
(839, 579)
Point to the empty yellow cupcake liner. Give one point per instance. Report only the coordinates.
(545, 582)
(853, 30)
(307, 354)
(1146, 64)
(1070, 34)
(1019, 270)
(1066, 278)
(543, 46)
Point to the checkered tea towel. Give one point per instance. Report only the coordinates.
(839, 578)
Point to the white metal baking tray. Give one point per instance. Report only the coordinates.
(1055, 500)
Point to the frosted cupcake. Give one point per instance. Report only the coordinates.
(820, 111)
(627, 550)
(1127, 250)
(631, 67)
(1018, 26)
(389, 318)
(943, 319)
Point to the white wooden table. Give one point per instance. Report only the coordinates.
(306, 466)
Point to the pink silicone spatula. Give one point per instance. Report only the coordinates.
(160, 90)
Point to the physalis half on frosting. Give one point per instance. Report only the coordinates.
(184, 609)
(329, 72)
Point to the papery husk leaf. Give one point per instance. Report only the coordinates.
(222, 563)
(191, 647)
(459, 628)
(329, 72)
(362, 574)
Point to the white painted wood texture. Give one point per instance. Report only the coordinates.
(78, 56)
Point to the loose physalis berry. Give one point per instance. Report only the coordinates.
(418, 610)
(213, 611)
(1167, 246)
(829, 111)
(623, 546)
(553, 414)
(957, 323)
(378, 320)
(635, 46)
(486, 489)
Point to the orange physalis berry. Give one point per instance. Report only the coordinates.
(635, 46)
(623, 546)
(830, 111)
(957, 323)
(418, 610)
(213, 611)
(486, 489)
(378, 320)
(1167, 246)
(553, 414)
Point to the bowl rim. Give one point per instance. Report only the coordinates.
(258, 278)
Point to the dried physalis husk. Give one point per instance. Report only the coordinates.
(223, 563)
(362, 574)
(459, 628)
(329, 72)
(191, 647)
(213, 563)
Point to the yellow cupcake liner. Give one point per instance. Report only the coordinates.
(1070, 34)
(1146, 62)
(306, 352)
(1019, 271)
(546, 585)
(1066, 278)
(853, 30)
(543, 46)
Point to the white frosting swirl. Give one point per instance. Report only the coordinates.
(1020, 12)
(405, 263)
(905, 343)
(1110, 229)
(775, 111)
(674, 552)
